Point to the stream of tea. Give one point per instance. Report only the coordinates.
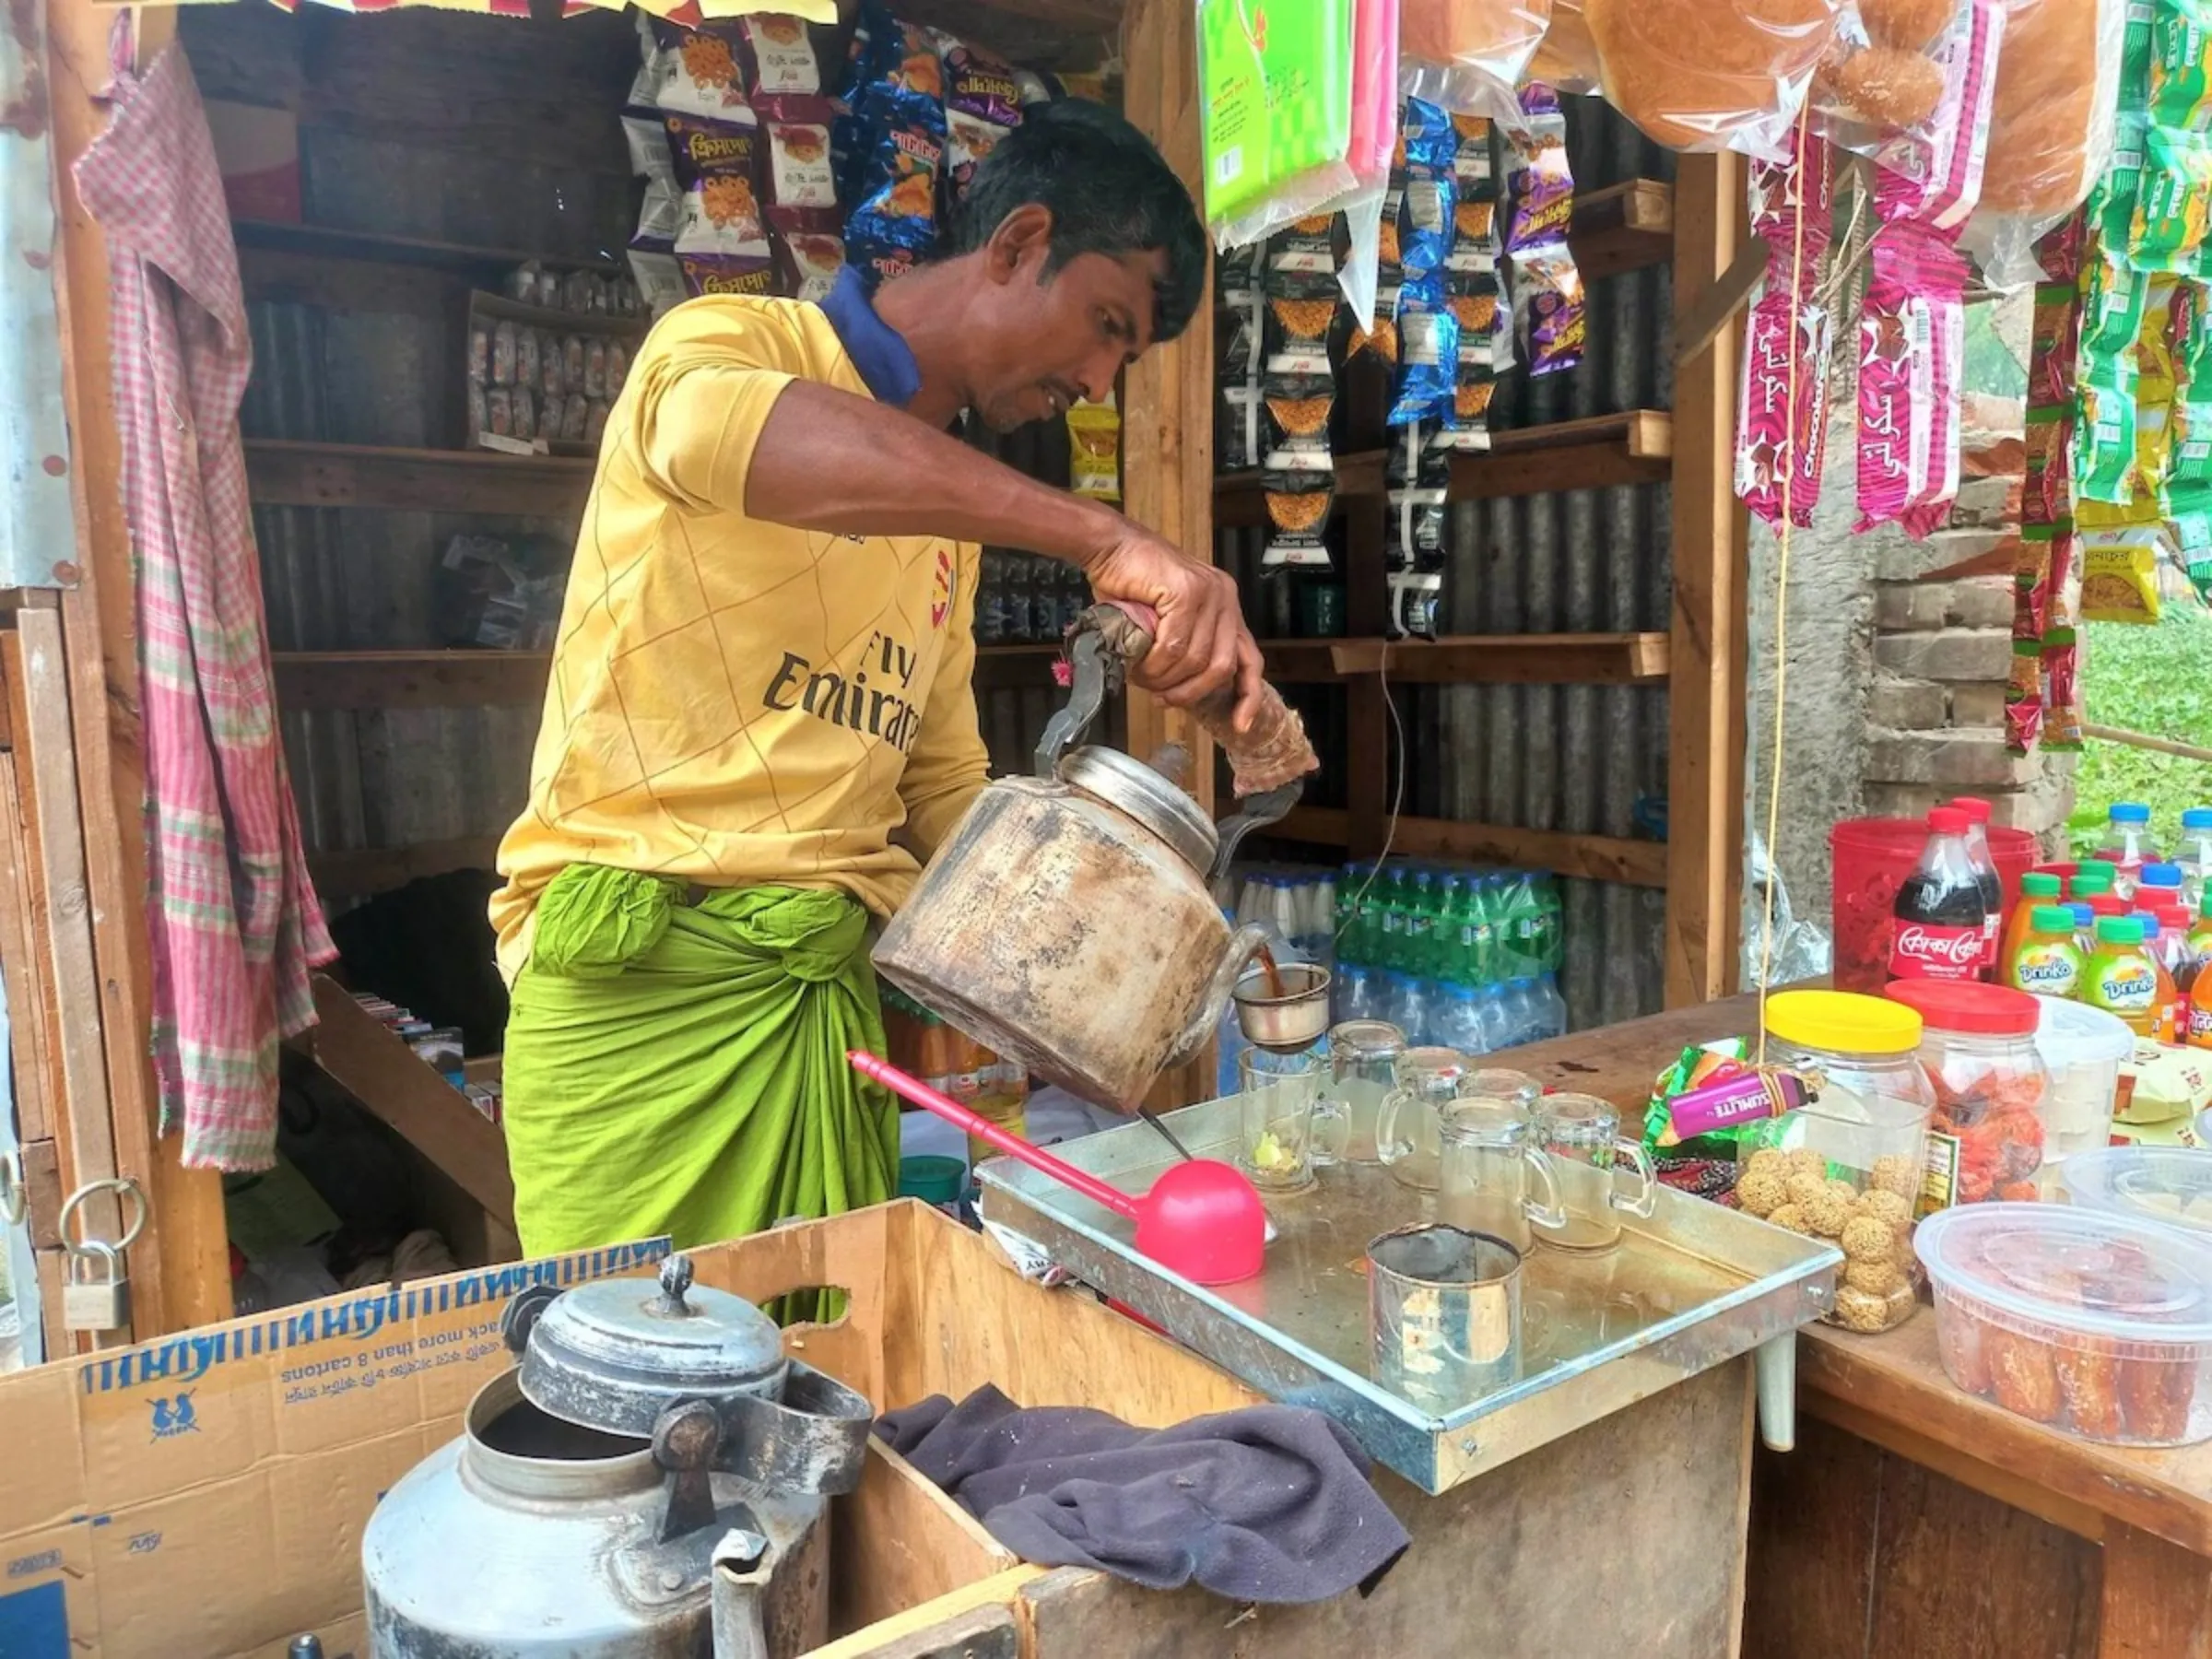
(1275, 974)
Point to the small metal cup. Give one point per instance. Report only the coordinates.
(1443, 1314)
(1289, 1023)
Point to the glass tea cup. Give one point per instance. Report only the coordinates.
(1582, 1133)
(1493, 1178)
(1363, 1067)
(1429, 1080)
(1287, 1129)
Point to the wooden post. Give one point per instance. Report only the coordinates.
(1705, 761)
(1167, 408)
(180, 1268)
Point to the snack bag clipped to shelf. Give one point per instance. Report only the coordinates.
(1549, 314)
(1299, 390)
(1427, 188)
(1780, 439)
(1275, 113)
(1913, 318)
(895, 137)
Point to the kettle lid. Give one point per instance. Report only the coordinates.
(615, 1354)
(1131, 787)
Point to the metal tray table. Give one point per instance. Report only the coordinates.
(1692, 1287)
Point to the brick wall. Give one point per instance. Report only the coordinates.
(1942, 655)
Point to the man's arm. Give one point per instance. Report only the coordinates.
(830, 460)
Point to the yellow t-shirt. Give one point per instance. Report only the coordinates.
(735, 701)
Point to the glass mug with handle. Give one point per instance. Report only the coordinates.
(1429, 1080)
(1582, 1133)
(1363, 1067)
(1287, 1129)
(1493, 1178)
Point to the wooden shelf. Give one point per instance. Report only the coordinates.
(1602, 452)
(1584, 659)
(288, 473)
(360, 872)
(1590, 857)
(430, 1114)
(408, 680)
(500, 309)
(1623, 228)
(462, 678)
(326, 242)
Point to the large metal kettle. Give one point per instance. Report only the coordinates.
(1068, 921)
(650, 1480)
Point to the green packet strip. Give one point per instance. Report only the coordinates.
(2190, 466)
(2189, 517)
(2104, 437)
(2173, 204)
(1276, 92)
(2179, 79)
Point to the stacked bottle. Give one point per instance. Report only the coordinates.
(1454, 957)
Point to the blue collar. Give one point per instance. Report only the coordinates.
(877, 351)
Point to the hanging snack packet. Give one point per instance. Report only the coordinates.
(2189, 519)
(717, 169)
(2105, 454)
(1275, 113)
(2173, 202)
(894, 221)
(2120, 561)
(695, 69)
(1425, 388)
(1094, 451)
(779, 57)
(1240, 336)
(1912, 319)
(982, 105)
(809, 252)
(2179, 75)
(1782, 406)
(741, 276)
(799, 171)
(1298, 474)
(2061, 692)
(1549, 310)
(2024, 697)
(1418, 528)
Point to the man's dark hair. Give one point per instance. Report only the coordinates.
(1109, 192)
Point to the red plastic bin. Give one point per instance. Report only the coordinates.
(1873, 857)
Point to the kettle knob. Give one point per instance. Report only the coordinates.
(676, 1279)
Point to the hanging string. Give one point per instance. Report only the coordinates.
(1781, 601)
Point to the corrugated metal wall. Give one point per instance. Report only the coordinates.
(1574, 758)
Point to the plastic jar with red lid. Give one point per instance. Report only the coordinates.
(1977, 1045)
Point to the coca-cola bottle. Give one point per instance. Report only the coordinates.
(1986, 872)
(1942, 916)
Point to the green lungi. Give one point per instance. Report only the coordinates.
(680, 1069)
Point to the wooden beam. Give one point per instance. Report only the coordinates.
(1625, 659)
(409, 679)
(1590, 857)
(282, 473)
(87, 1132)
(430, 1114)
(2157, 1601)
(358, 872)
(1168, 409)
(1705, 760)
(180, 1268)
(1600, 451)
(32, 1018)
(1626, 227)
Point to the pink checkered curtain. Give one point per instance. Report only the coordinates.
(233, 916)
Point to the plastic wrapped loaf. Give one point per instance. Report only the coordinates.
(1711, 74)
(1882, 89)
(1470, 55)
(1566, 59)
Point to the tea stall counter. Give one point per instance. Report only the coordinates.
(1927, 1513)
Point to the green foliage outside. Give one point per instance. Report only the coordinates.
(2157, 681)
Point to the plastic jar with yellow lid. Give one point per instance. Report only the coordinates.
(1847, 1166)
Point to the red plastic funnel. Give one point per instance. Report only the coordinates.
(1203, 1219)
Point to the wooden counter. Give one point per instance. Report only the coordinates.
(1918, 1520)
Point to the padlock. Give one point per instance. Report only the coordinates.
(96, 1304)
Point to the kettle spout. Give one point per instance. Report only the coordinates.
(742, 1564)
(1247, 943)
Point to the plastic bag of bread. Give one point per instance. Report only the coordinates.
(1566, 58)
(1711, 75)
(1881, 91)
(1470, 55)
(2051, 126)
